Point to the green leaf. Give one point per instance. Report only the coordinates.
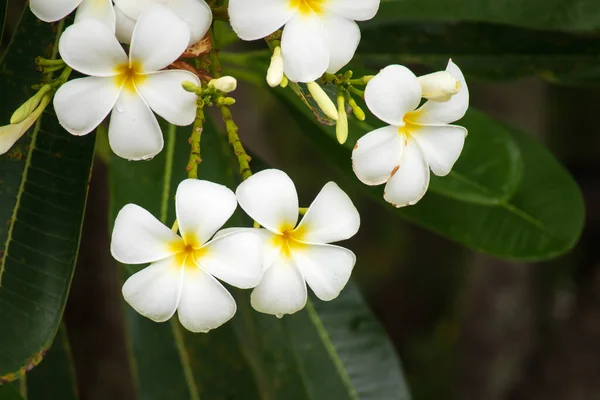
(9, 392)
(256, 349)
(535, 212)
(43, 188)
(568, 15)
(3, 12)
(484, 51)
(54, 378)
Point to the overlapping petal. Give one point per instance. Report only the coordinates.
(204, 303)
(410, 182)
(162, 91)
(270, 198)
(235, 258)
(82, 104)
(392, 93)
(433, 112)
(154, 291)
(202, 208)
(304, 48)
(99, 10)
(330, 218)
(282, 289)
(377, 154)
(325, 268)
(134, 8)
(342, 35)
(356, 10)
(134, 133)
(50, 11)
(138, 237)
(92, 49)
(441, 145)
(256, 19)
(196, 14)
(159, 38)
(124, 26)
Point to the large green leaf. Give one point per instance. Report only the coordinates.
(9, 392)
(485, 51)
(538, 214)
(43, 188)
(569, 15)
(261, 353)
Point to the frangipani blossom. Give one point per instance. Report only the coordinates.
(127, 88)
(195, 13)
(297, 255)
(319, 35)
(416, 141)
(54, 10)
(181, 276)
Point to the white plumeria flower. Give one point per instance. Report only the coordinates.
(129, 87)
(319, 35)
(54, 10)
(195, 13)
(181, 276)
(297, 255)
(416, 140)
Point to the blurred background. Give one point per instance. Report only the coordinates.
(466, 325)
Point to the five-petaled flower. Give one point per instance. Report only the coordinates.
(129, 87)
(319, 35)
(418, 139)
(297, 255)
(53, 10)
(195, 13)
(182, 274)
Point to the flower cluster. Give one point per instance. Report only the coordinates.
(310, 41)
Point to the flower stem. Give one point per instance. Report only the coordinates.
(195, 157)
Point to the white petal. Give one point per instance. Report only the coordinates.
(134, 133)
(393, 92)
(282, 289)
(196, 13)
(433, 112)
(441, 145)
(92, 49)
(343, 36)
(82, 104)
(235, 258)
(163, 92)
(256, 19)
(326, 268)
(270, 244)
(270, 198)
(50, 11)
(304, 48)
(202, 208)
(134, 8)
(138, 237)
(204, 304)
(124, 26)
(410, 182)
(330, 218)
(377, 154)
(154, 291)
(159, 38)
(99, 10)
(362, 10)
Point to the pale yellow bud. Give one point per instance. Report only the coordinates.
(9, 134)
(29, 106)
(225, 84)
(341, 128)
(275, 72)
(439, 86)
(322, 100)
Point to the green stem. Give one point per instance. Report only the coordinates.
(235, 142)
(355, 91)
(195, 157)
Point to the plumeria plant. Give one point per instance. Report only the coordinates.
(148, 80)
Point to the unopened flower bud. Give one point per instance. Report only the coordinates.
(29, 106)
(189, 86)
(9, 134)
(322, 100)
(356, 110)
(225, 84)
(275, 72)
(284, 82)
(439, 86)
(341, 128)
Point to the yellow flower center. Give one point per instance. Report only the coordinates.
(290, 240)
(307, 6)
(187, 251)
(128, 76)
(410, 127)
